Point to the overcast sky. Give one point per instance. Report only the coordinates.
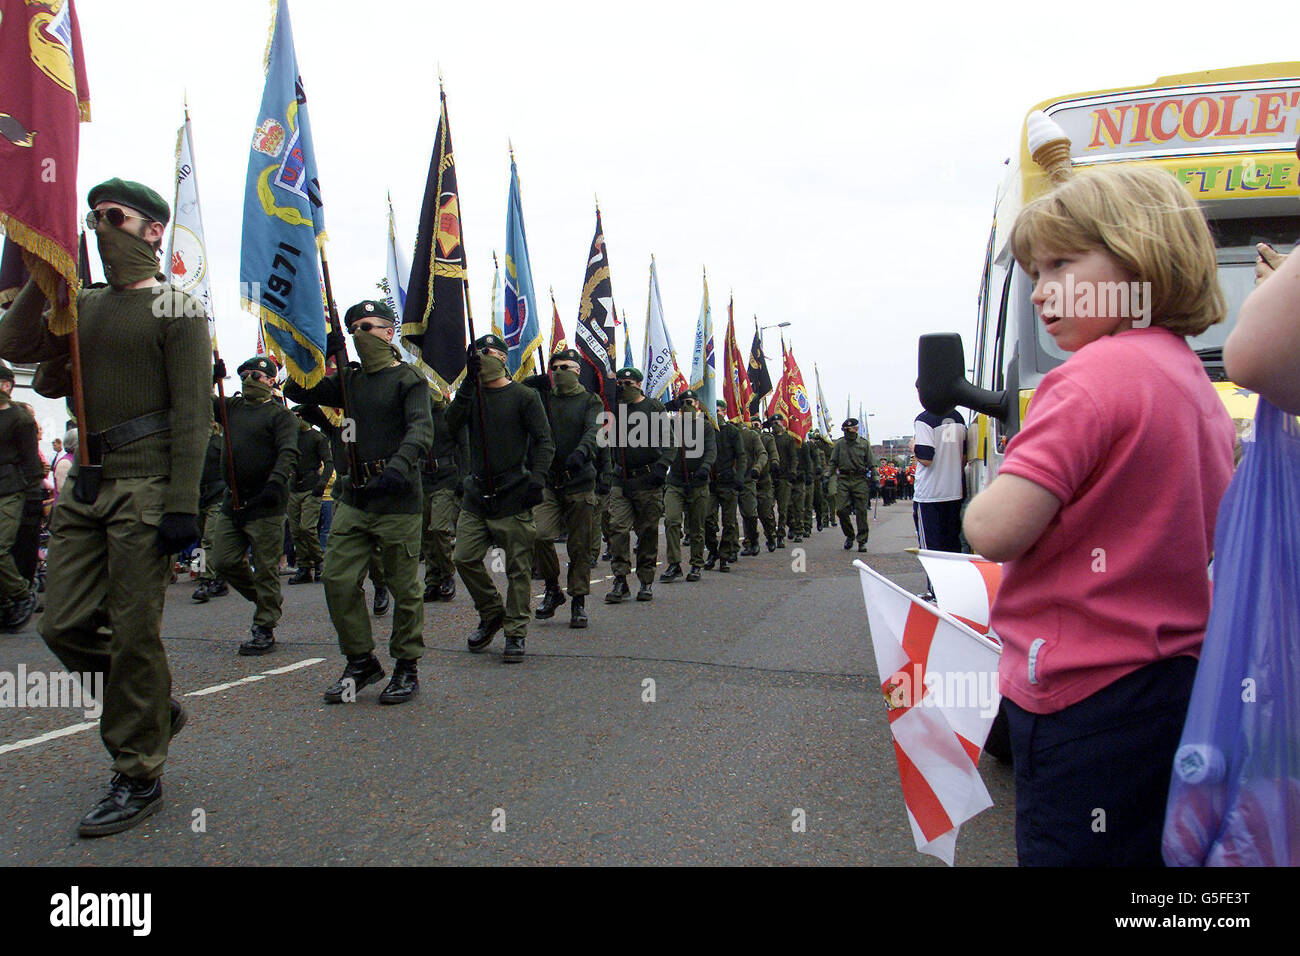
(833, 164)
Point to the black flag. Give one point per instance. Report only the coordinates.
(433, 320)
(759, 380)
(594, 334)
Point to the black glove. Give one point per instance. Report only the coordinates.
(807, 482)
(577, 458)
(658, 474)
(335, 343)
(473, 363)
(672, 405)
(176, 532)
(218, 371)
(753, 473)
(533, 496)
(602, 486)
(388, 482)
(273, 496)
(700, 474)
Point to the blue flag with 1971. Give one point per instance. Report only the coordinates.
(284, 223)
(520, 328)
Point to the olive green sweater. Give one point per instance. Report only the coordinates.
(140, 353)
(518, 444)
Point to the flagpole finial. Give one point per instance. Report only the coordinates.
(439, 76)
(597, 202)
(510, 146)
(185, 98)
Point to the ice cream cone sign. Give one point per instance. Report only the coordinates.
(1049, 146)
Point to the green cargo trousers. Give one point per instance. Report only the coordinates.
(637, 511)
(557, 514)
(103, 570)
(516, 535)
(853, 496)
(12, 584)
(440, 510)
(766, 509)
(354, 537)
(724, 498)
(600, 525)
(304, 527)
(781, 487)
(689, 504)
(229, 560)
(794, 512)
(207, 524)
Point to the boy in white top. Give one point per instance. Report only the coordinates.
(936, 502)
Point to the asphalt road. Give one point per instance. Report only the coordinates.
(766, 703)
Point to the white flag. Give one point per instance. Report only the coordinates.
(399, 280)
(704, 379)
(939, 680)
(660, 356)
(964, 586)
(186, 265)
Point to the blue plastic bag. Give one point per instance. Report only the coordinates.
(1234, 799)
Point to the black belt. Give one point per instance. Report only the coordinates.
(433, 465)
(638, 470)
(848, 473)
(131, 430)
(372, 469)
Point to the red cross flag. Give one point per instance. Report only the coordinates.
(939, 680)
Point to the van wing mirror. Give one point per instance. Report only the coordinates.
(941, 379)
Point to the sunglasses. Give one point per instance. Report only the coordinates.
(369, 326)
(629, 382)
(114, 216)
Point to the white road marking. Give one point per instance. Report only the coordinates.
(214, 689)
(52, 735)
(217, 688)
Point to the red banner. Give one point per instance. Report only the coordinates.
(735, 386)
(558, 343)
(44, 98)
(791, 398)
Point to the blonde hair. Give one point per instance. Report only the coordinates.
(1145, 219)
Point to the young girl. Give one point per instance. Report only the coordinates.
(1105, 594)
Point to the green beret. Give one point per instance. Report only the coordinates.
(259, 363)
(369, 309)
(566, 355)
(721, 403)
(137, 196)
(688, 393)
(490, 341)
(850, 423)
(629, 372)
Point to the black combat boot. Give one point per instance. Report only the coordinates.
(619, 592)
(645, 594)
(711, 561)
(771, 545)
(848, 543)
(361, 671)
(578, 612)
(723, 566)
(301, 576)
(479, 640)
(694, 574)
(383, 601)
(178, 715)
(671, 573)
(863, 547)
(404, 685)
(127, 803)
(780, 543)
(200, 595)
(551, 599)
(514, 652)
(262, 642)
(447, 589)
(431, 592)
(218, 588)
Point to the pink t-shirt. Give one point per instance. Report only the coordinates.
(1130, 435)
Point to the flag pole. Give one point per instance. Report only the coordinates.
(340, 362)
(216, 351)
(469, 316)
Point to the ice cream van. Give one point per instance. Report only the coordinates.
(1228, 136)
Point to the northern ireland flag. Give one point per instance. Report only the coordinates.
(964, 586)
(939, 680)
